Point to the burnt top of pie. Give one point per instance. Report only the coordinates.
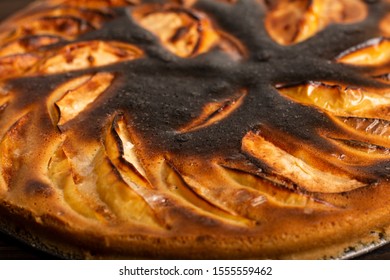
(239, 98)
(159, 106)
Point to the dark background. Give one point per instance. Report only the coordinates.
(12, 249)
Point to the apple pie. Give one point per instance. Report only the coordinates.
(196, 129)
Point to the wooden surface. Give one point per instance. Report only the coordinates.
(12, 249)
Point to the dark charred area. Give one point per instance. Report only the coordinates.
(160, 93)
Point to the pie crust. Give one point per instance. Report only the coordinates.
(208, 129)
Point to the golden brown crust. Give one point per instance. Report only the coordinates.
(132, 129)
